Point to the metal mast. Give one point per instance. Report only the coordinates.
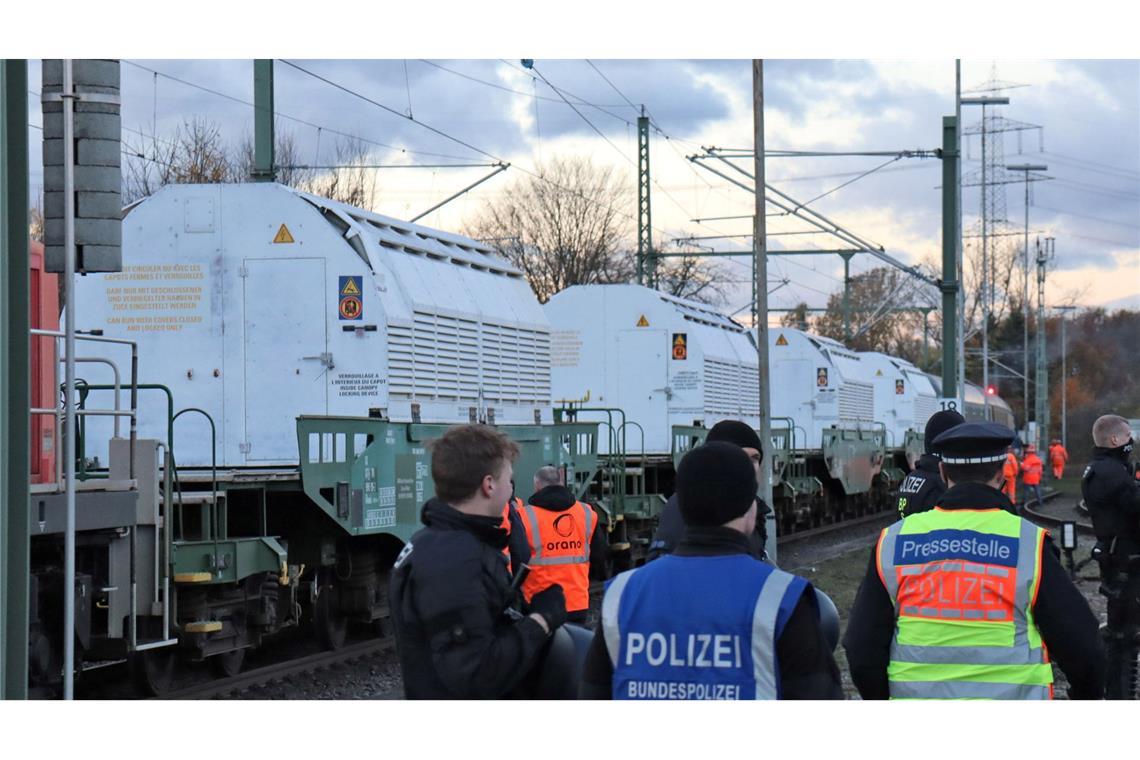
(646, 263)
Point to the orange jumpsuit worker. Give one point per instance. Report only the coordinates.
(1009, 471)
(1032, 467)
(1057, 457)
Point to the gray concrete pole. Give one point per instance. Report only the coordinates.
(760, 247)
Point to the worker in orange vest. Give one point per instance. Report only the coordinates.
(517, 550)
(1009, 471)
(1058, 457)
(1032, 468)
(566, 543)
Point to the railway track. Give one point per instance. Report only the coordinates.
(282, 670)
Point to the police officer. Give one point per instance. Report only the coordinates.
(969, 601)
(1112, 496)
(921, 489)
(450, 592)
(566, 543)
(671, 526)
(710, 621)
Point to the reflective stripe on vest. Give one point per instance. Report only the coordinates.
(963, 583)
(539, 557)
(669, 638)
(555, 559)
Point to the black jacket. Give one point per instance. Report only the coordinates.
(807, 667)
(921, 490)
(671, 529)
(449, 594)
(1061, 613)
(1112, 496)
(559, 499)
(517, 544)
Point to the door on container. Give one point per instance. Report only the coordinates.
(643, 378)
(287, 360)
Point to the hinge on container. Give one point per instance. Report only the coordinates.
(244, 447)
(243, 272)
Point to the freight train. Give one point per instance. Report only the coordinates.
(259, 382)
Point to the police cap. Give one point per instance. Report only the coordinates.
(974, 443)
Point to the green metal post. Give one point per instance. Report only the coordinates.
(949, 257)
(264, 169)
(646, 264)
(846, 297)
(15, 401)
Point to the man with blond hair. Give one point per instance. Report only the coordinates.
(1112, 496)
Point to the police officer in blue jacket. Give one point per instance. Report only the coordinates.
(710, 621)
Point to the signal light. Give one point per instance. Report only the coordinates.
(991, 390)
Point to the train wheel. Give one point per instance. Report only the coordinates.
(228, 664)
(153, 670)
(331, 624)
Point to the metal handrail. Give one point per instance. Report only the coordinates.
(213, 472)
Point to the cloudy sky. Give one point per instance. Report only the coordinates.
(1088, 113)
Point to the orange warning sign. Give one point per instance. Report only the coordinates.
(680, 346)
(283, 235)
(643, 322)
(781, 341)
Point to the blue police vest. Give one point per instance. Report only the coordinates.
(698, 628)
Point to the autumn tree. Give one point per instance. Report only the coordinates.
(877, 314)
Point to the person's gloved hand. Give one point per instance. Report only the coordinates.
(550, 603)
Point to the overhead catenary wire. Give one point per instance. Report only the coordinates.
(289, 117)
(504, 88)
(526, 171)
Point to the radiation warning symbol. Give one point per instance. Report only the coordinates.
(781, 341)
(680, 346)
(349, 293)
(821, 377)
(283, 235)
(643, 322)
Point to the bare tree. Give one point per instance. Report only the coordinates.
(875, 322)
(197, 154)
(36, 220)
(286, 160)
(693, 278)
(567, 226)
(353, 181)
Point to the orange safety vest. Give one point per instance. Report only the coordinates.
(1009, 471)
(1032, 467)
(560, 551)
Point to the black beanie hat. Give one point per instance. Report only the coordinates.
(716, 483)
(735, 431)
(940, 423)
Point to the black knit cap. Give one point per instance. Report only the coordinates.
(735, 431)
(938, 424)
(716, 483)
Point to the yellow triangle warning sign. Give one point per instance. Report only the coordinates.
(781, 341)
(878, 373)
(643, 322)
(350, 288)
(283, 235)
